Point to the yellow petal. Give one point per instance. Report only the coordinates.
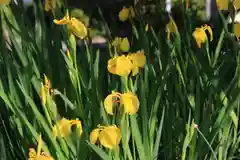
(44, 156)
(141, 59)
(124, 66)
(171, 27)
(123, 14)
(222, 4)
(124, 45)
(146, 28)
(4, 2)
(78, 28)
(62, 128)
(109, 101)
(64, 20)
(200, 36)
(112, 65)
(94, 136)
(130, 103)
(138, 59)
(135, 71)
(237, 30)
(110, 137)
(32, 153)
(237, 4)
(120, 65)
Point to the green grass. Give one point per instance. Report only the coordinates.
(180, 87)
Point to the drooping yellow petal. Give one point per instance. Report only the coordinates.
(78, 28)
(237, 30)
(64, 20)
(94, 135)
(62, 128)
(124, 66)
(109, 102)
(130, 103)
(236, 4)
(200, 35)
(110, 137)
(135, 71)
(222, 4)
(4, 2)
(124, 45)
(120, 65)
(138, 60)
(124, 14)
(112, 65)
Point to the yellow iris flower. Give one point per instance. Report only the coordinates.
(128, 101)
(120, 65)
(108, 136)
(74, 25)
(171, 28)
(126, 13)
(121, 44)
(33, 155)
(63, 127)
(200, 35)
(123, 65)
